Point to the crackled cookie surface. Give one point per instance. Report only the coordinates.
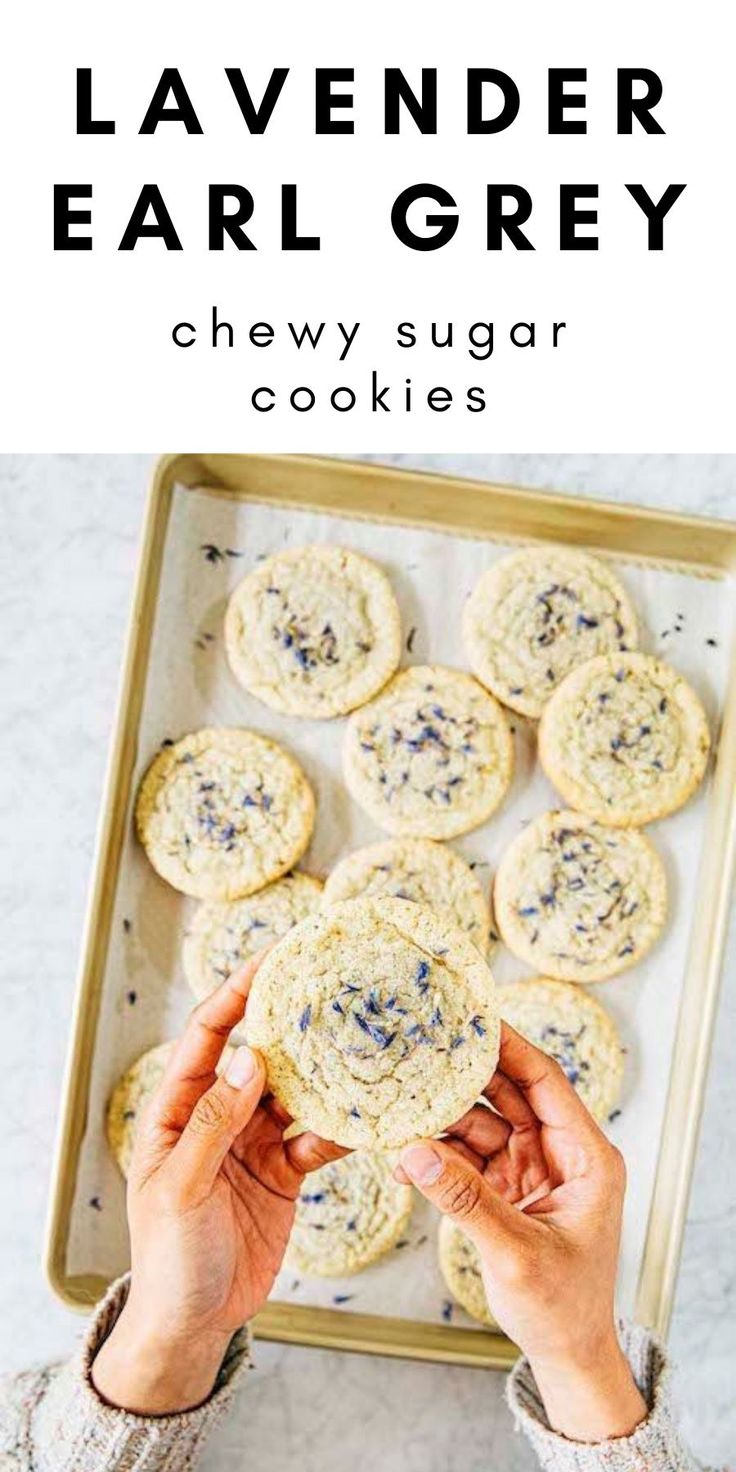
(224, 934)
(431, 756)
(313, 631)
(348, 1213)
(129, 1099)
(377, 1021)
(224, 811)
(420, 870)
(578, 899)
(572, 1027)
(460, 1266)
(538, 613)
(625, 739)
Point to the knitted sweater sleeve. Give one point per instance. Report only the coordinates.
(655, 1444)
(53, 1420)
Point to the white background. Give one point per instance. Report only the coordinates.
(85, 343)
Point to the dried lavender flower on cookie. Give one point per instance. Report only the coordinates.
(348, 1213)
(432, 756)
(571, 1026)
(579, 900)
(313, 631)
(417, 869)
(223, 812)
(378, 1022)
(624, 739)
(535, 615)
(223, 934)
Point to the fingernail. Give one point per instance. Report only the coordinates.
(422, 1164)
(241, 1068)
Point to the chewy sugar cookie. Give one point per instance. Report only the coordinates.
(578, 899)
(313, 631)
(538, 613)
(377, 1021)
(625, 739)
(431, 756)
(420, 870)
(348, 1213)
(569, 1025)
(459, 1262)
(224, 811)
(130, 1097)
(222, 935)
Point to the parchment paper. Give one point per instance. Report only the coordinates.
(211, 543)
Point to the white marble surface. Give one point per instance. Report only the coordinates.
(67, 553)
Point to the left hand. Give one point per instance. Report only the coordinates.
(211, 1200)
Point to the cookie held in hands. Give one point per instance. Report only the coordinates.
(378, 1022)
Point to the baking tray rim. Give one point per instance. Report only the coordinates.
(697, 545)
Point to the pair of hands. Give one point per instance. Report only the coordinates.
(211, 1198)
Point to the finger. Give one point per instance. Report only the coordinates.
(308, 1151)
(541, 1082)
(508, 1099)
(217, 1119)
(460, 1148)
(191, 1070)
(481, 1129)
(476, 1160)
(276, 1112)
(459, 1190)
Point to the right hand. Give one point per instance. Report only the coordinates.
(549, 1263)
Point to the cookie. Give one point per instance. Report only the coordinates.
(431, 756)
(625, 739)
(537, 614)
(223, 935)
(130, 1097)
(348, 1213)
(377, 1021)
(223, 812)
(313, 631)
(579, 900)
(415, 869)
(568, 1023)
(459, 1262)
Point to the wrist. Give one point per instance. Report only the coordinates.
(589, 1392)
(144, 1369)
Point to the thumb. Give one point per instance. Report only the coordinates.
(216, 1121)
(459, 1191)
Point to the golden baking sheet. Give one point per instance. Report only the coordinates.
(442, 532)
